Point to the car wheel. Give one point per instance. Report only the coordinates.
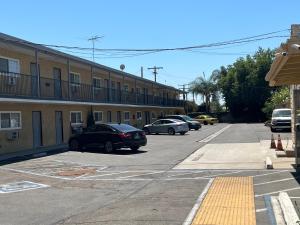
(182, 133)
(211, 123)
(74, 145)
(171, 131)
(108, 147)
(197, 128)
(134, 148)
(273, 129)
(205, 123)
(146, 130)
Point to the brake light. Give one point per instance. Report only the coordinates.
(124, 135)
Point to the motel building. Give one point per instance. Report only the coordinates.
(285, 70)
(46, 95)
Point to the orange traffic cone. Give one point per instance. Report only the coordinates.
(279, 144)
(273, 144)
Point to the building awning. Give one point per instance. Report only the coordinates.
(285, 69)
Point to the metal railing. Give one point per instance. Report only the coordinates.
(30, 87)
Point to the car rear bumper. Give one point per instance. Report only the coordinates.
(130, 143)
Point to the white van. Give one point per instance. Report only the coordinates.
(281, 119)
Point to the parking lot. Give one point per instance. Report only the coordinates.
(124, 187)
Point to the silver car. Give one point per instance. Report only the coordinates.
(170, 126)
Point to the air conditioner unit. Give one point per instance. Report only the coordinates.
(12, 135)
(11, 80)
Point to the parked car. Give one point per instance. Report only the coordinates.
(109, 137)
(170, 126)
(206, 119)
(281, 119)
(193, 124)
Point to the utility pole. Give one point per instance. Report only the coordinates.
(155, 69)
(93, 39)
(185, 106)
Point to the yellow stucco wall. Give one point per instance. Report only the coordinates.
(25, 140)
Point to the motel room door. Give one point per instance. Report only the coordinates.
(147, 117)
(57, 82)
(59, 127)
(37, 129)
(34, 79)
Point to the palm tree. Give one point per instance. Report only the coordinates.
(206, 87)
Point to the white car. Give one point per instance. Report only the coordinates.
(169, 126)
(281, 119)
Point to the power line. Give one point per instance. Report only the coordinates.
(216, 44)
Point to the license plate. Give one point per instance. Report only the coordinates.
(136, 136)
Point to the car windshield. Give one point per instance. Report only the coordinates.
(123, 127)
(282, 113)
(187, 118)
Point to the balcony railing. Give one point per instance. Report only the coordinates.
(26, 86)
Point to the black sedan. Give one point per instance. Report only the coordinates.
(109, 137)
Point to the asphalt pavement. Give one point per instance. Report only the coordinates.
(92, 187)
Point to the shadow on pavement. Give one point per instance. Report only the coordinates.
(32, 156)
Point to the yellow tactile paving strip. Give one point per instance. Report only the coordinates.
(229, 201)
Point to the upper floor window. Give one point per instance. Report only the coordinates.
(8, 65)
(126, 88)
(75, 78)
(96, 83)
(10, 120)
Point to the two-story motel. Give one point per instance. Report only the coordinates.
(45, 94)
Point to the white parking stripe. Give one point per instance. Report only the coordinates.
(266, 174)
(212, 136)
(143, 174)
(103, 175)
(261, 210)
(275, 181)
(220, 174)
(275, 192)
(190, 173)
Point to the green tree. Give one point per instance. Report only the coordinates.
(243, 85)
(206, 87)
(279, 98)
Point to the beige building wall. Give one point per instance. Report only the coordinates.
(25, 140)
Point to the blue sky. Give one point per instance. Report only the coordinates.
(152, 24)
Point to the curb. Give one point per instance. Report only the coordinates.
(289, 213)
(268, 163)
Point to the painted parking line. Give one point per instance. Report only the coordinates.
(190, 173)
(143, 174)
(275, 181)
(20, 186)
(214, 135)
(276, 192)
(266, 174)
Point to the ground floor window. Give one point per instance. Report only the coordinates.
(138, 115)
(153, 115)
(10, 120)
(126, 116)
(76, 117)
(98, 116)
